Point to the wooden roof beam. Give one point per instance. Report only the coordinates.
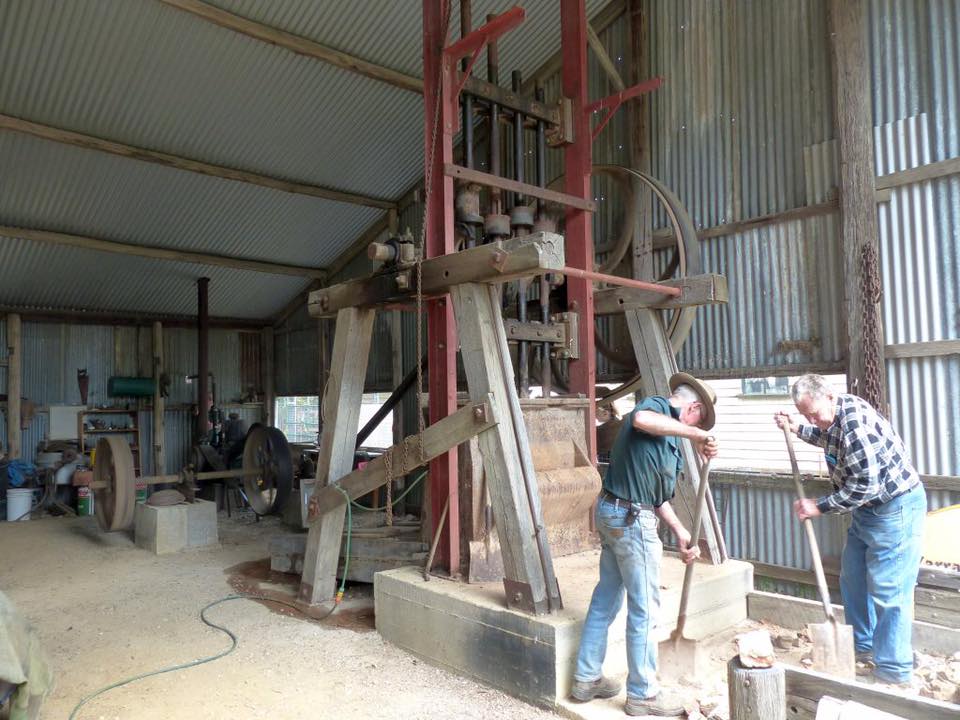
(159, 253)
(89, 142)
(297, 44)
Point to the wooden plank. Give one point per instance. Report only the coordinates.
(657, 364)
(794, 613)
(939, 578)
(935, 348)
(495, 181)
(82, 317)
(495, 262)
(507, 98)
(813, 686)
(14, 384)
(158, 253)
(695, 290)
(596, 44)
(858, 208)
(340, 413)
(819, 486)
(299, 45)
(437, 439)
(933, 171)
(479, 322)
(89, 142)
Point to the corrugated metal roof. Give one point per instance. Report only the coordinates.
(37, 276)
(146, 74)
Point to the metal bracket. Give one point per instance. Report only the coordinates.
(571, 323)
(536, 332)
(520, 596)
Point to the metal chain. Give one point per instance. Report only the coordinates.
(388, 467)
(872, 292)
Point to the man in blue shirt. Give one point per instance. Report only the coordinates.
(875, 481)
(637, 487)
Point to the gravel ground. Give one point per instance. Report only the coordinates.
(106, 610)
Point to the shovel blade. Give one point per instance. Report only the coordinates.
(832, 650)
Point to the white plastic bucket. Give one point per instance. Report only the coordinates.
(19, 502)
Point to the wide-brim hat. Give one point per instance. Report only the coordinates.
(707, 395)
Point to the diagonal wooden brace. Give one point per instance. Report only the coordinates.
(437, 439)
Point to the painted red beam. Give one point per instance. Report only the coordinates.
(485, 34)
(577, 159)
(440, 123)
(625, 282)
(612, 103)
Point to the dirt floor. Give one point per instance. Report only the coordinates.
(106, 610)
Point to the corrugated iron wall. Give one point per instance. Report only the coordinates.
(53, 352)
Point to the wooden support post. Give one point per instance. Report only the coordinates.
(657, 363)
(14, 384)
(159, 403)
(756, 693)
(528, 570)
(267, 379)
(340, 408)
(639, 112)
(858, 208)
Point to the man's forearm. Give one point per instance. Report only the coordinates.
(657, 424)
(665, 512)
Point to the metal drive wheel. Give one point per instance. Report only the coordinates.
(266, 454)
(114, 500)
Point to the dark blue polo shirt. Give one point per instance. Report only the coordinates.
(643, 467)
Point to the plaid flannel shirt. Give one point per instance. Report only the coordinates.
(867, 458)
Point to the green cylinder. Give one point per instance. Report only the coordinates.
(84, 501)
(130, 386)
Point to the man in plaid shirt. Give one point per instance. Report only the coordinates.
(874, 480)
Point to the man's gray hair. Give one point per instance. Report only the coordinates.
(687, 394)
(811, 386)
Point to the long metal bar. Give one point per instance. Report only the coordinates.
(440, 120)
(544, 280)
(577, 162)
(395, 397)
(466, 15)
(625, 282)
(523, 350)
(493, 76)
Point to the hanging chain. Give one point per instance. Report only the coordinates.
(872, 291)
(388, 467)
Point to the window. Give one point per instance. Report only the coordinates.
(298, 416)
(765, 386)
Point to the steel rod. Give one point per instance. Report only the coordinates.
(625, 282)
(493, 76)
(544, 280)
(523, 349)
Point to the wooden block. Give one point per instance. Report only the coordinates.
(696, 290)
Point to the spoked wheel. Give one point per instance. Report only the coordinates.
(267, 454)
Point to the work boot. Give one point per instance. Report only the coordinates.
(585, 690)
(657, 706)
(864, 662)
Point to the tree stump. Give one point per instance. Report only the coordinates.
(756, 693)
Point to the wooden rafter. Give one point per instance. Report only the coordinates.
(89, 142)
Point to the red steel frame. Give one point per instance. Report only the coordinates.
(578, 231)
(441, 83)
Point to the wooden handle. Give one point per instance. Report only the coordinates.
(694, 541)
(811, 536)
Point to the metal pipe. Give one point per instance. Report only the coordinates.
(625, 282)
(544, 280)
(523, 349)
(395, 397)
(493, 76)
(466, 15)
(203, 358)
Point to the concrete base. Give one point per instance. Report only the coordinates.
(371, 551)
(164, 530)
(469, 629)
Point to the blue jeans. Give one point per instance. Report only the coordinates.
(878, 573)
(629, 560)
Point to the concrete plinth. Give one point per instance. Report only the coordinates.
(469, 629)
(163, 530)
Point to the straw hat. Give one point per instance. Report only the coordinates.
(707, 395)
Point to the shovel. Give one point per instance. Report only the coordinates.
(832, 642)
(679, 656)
